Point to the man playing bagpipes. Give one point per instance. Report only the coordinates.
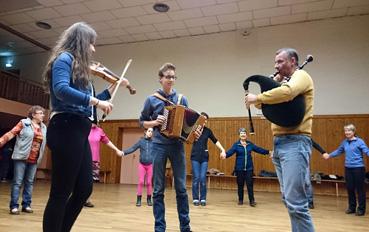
(292, 145)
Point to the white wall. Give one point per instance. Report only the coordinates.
(212, 68)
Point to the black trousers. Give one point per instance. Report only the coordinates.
(355, 178)
(243, 176)
(71, 184)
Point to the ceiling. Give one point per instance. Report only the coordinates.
(126, 21)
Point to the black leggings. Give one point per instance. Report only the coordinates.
(71, 184)
(243, 176)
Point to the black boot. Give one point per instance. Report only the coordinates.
(138, 202)
(149, 203)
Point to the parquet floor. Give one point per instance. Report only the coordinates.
(115, 211)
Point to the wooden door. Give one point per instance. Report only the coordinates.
(128, 171)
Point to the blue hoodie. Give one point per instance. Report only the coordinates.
(242, 152)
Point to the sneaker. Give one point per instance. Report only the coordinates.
(350, 211)
(88, 204)
(14, 211)
(360, 213)
(27, 209)
(196, 202)
(203, 202)
(253, 204)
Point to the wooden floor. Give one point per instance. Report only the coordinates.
(115, 210)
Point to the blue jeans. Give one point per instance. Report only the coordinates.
(291, 159)
(24, 173)
(310, 190)
(175, 153)
(199, 179)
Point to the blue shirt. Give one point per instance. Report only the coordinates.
(243, 155)
(65, 95)
(353, 150)
(153, 107)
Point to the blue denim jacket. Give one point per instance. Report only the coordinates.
(153, 107)
(242, 152)
(64, 94)
(354, 150)
(145, 146)
(24, 140)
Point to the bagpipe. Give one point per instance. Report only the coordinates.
(285, 114)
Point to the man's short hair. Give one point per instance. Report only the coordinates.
(290, 53)
(165, 67)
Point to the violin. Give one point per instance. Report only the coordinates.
(99, 70)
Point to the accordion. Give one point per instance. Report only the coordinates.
(181, 122)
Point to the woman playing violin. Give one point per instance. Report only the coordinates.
(72, 102)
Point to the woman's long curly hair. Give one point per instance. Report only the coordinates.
(75, 40)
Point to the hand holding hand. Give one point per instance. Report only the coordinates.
(326, 156)
(271, 153)
(223, 155)
(119, 153)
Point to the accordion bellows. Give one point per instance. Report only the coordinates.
(181, 122)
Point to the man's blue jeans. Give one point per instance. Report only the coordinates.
(199, 179)
(310, 190)
(24, 173)
(291, 159)
(175, 153)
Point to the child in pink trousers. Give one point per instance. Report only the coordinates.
(145, 165)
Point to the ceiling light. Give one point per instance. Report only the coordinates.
(161, 7)
(9, 63)
(43, 25)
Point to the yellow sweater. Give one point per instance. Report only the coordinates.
(300, 83)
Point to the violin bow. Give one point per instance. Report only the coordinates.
(118, 84)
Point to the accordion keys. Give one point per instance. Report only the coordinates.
(181, 122)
